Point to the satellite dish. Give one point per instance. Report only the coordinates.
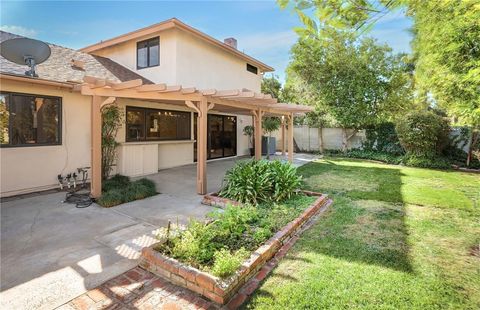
(24, 51)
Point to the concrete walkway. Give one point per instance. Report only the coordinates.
(52, 252)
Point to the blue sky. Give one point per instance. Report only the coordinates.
(261, 28)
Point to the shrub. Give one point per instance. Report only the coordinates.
(284, 180)
(115, 182)
(219, 245)
(226, 263)
(423, 133)
(259, 181)
(111, 198)
(433, 162)
(383, 138)
(120, 189)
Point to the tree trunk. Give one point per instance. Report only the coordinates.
(320, 139)
(471, 143)
(344, 140)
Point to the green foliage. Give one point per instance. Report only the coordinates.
(270, 124)
(221, 244)
(226, 263)
(432, 161)
(111, 198)
(255, 181)
(120, 189)
(383, 138)
(423, 133)
(112, 118)
(271, 85)
(118, 181)
(368, 154)
(447, 49)
(356, 81)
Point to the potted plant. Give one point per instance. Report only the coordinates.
(269, 125)
(249, 131)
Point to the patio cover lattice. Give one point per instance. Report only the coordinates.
(238, 101)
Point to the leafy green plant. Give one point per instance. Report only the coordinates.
(285, 180)
(117, 181)
(112, 119)
(221, 244)
(249, 131)
(226, 263)
(258, 181)
(423, 133)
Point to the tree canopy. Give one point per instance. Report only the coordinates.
(358, 81)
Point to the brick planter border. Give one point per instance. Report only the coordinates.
(236, 288)
(214, 200)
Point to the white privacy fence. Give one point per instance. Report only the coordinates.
(309, 139)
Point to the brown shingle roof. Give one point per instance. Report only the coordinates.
(59, 66)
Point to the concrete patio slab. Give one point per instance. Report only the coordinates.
(52, 252)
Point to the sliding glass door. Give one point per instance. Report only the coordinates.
(221, 136)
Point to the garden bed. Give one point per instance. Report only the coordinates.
(221, 290)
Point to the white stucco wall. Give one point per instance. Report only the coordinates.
(188, 61)
(141, 158)
(205, 66)
(35, 168)
(126, 55)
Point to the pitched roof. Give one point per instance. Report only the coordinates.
(59, 66)
(175, 23)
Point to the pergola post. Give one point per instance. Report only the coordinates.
(258, 133)
(96, 147)
(283, 135)
(290, 137)
(202, 147)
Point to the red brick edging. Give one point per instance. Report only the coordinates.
(235, 289)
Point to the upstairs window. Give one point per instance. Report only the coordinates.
(148, 53)
(30, 120)
(252, 69)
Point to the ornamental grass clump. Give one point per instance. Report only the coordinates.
(257, 181)
(120, 189)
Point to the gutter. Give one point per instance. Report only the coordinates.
(26, 79)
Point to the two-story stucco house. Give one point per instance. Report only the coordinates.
(186, 97)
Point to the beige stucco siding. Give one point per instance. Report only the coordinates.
(126, 55)
(188, 61)
(34, 168)
(205, 66)
(141, 158)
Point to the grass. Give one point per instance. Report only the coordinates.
(395, 238)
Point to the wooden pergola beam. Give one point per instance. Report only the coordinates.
(151, 88)
(189, 90)
(173, 88)
(128, 84)
(226, 93)
(290, 137)
(208, 92)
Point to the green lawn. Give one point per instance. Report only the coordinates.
(395, 238)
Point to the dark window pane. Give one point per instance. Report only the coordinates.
(153, 124)
(153, 59)
(142, 56)
(4, 119)
(183, 126)
(22, 115)
(47, 119)
(252, 69)
(135, 124)
(148, 53)
(32, 120)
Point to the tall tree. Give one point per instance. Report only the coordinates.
(447, 49)
(271, 85)
(359, 82)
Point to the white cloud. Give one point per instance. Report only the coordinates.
(19, 30)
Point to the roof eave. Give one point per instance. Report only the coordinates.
(169, 24)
